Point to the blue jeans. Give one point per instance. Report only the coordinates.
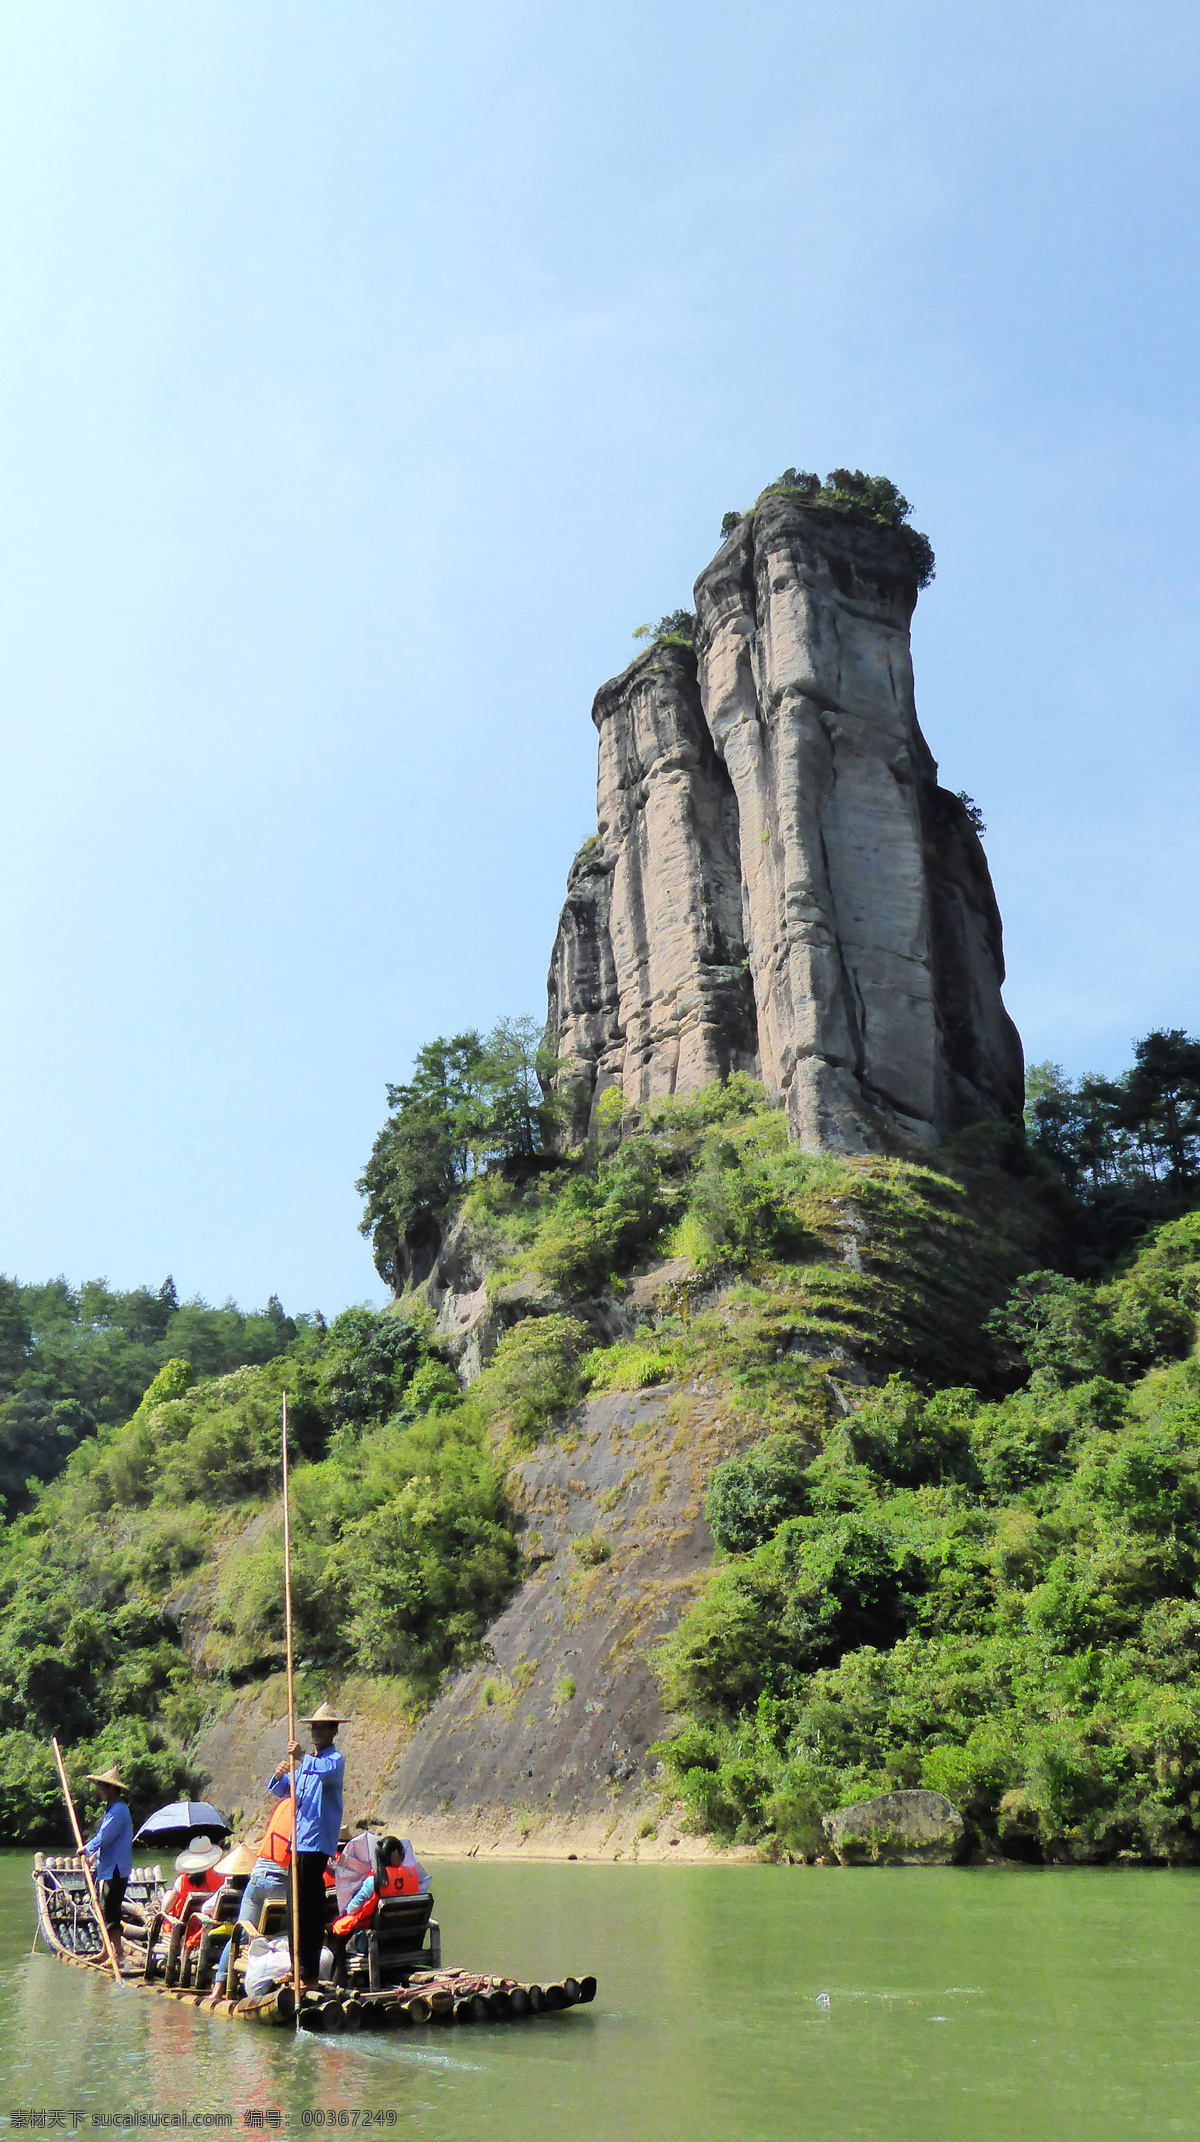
(267, 1884)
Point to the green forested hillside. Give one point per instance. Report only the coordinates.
(146, 1581)
(997, 1598)
(963, 1547)
(75, 1359)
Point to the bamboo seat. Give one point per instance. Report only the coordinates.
(214, 1937)
(175, 1950)
(402, 1937)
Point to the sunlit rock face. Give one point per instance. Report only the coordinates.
(649, 987)
(778, 882)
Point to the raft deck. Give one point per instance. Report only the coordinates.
(423, 1991)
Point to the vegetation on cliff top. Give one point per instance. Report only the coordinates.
(850, 491)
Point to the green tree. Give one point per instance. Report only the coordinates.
(1159, 1104)
(473, 1102)
(424, 1153)
(515, 1118)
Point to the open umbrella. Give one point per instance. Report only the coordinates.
(181, 1819)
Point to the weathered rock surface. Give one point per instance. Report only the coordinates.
(898, 1829)
(649, 987)
(557, 1724)
(551, 1733)
(778, 882)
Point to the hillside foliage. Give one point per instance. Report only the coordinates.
(75, 1359)
(147, 1579)
(961, 1546)
(995, 1598)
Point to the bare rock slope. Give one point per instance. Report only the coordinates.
(547, 1739)
(778, 882)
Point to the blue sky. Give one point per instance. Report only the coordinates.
(371, 371)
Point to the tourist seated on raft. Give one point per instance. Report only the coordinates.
(110, 1851)
(396, 1874)
(197, 1874)
(268, 1881)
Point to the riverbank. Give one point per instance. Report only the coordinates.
(631, 1837)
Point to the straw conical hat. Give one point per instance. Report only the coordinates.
(107, 1777)
(201, 1854)
(324, 1716)
(239, 1861)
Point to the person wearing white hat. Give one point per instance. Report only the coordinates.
(320, 1781)
(196, 1876)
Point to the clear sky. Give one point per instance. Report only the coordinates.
(370, 370)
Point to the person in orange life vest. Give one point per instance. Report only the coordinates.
(344, 1836)
(196, 1876)
(394, 1877)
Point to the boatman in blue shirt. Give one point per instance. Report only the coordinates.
(319, 1778)
(111, 1850)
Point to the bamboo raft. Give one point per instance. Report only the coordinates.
(423, 1994)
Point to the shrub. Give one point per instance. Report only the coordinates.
(591, 1548)
(676, 629)
(426, 1573)
(369, 1364)
(532, 1376)
(631, 1365)
(749, 1497)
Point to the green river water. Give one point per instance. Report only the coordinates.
(734, 2002)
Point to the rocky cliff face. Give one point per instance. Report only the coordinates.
(777, 882)
(649, 985)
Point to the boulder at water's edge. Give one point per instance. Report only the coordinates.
(898, 1829)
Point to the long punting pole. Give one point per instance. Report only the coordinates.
(85, 1863)
(291, 1696)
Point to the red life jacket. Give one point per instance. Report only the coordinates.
(402, 1881)
(175, 1905)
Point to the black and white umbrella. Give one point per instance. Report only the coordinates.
(182, 1819)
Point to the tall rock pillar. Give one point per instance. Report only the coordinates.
(871, 926)
(778, 883)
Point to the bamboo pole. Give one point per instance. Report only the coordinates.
(291, 1703)
(85, 1863)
